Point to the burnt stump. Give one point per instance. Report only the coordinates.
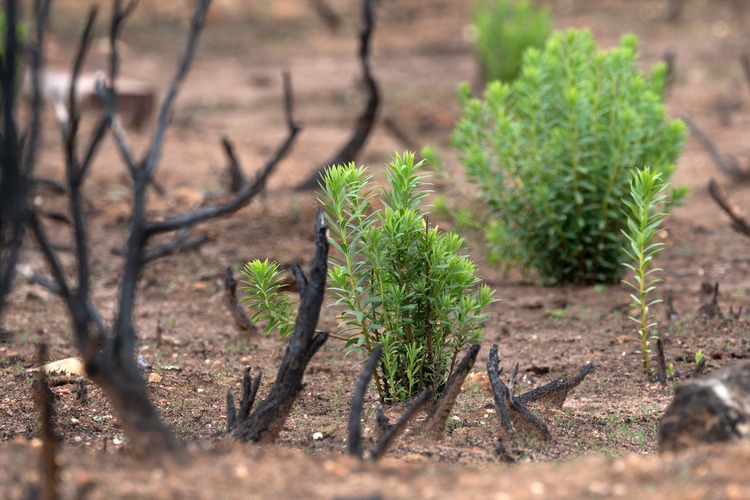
(709, 409)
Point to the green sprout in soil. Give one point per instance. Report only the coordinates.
(648, 196)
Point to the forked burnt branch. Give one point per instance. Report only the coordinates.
(349, 151)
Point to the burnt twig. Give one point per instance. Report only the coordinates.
(18, 150)
(729, 165)
(236, 177)
(739, 218)
(265, 423)
(238, 312)
(711, 309)
(434, 425)
(358, 401)
(50, 474)
(555, 392)
(500, 392)
(396, 429)
(349, 152)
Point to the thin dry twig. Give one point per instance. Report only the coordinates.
(354, 444)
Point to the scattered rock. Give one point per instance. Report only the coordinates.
(154, 378)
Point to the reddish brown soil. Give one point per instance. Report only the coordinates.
(604, 438)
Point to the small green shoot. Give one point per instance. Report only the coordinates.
(648, 196)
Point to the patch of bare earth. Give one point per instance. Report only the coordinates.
(604, 438)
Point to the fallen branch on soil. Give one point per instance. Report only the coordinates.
(434, 425)
(349, 152)
(727, 164)
(739, 217)
(265, 423)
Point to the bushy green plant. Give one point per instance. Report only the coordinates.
(644, 218)
(552, 155)
(504, 30)
(400, 281)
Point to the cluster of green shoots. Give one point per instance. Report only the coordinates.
(398, 281)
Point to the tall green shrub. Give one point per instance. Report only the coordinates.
(504, 30)
(552, 154)
(401, 282)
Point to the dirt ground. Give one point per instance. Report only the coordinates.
(604, 438)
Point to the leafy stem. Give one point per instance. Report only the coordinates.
(648, 196)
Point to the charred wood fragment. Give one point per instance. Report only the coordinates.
(500, 392)
(238, 312)
(349, 152)
(711, 309)
(18, 147)
(381, 419)
(727, 164)
(358, 402)
(396, 429)
(434, 425)
(44, 397)
(236, 177)
(661, 374)
(266, 422)
(556, 392)
(710, 409)
(739, 218)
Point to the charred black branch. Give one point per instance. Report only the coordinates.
(711, 309)
(366, 120)
(17, 150)
(396, 429)
(434, 425)
(739, 217)
(238, 312)
(249, 391)
(555, 393)
(236, 177)
(500, 392)
(248, 190)
(729, 165)
(180, 242)
(49, 474)
(266, 422)
(662, 373)
(358, 402)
